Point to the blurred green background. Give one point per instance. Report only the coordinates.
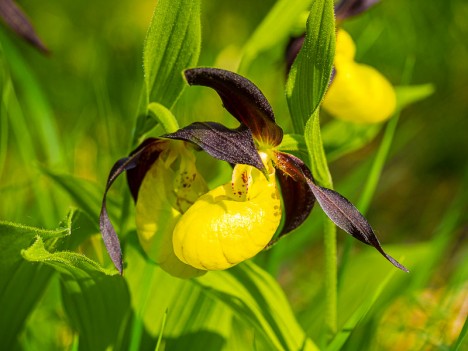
(72, 111)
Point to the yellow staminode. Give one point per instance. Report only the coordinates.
(358, 93)
(230, 223)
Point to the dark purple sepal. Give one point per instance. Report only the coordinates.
(292, 50)
(298, 199)
(15, 18)
(235, 146)
(242, 99)
(350, 8)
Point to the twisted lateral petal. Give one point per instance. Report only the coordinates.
(339, 209)
(164, 195)
(297, 197)
(231, 223)
(242, 99)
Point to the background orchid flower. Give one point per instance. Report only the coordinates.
(235, 221)
(358, 93)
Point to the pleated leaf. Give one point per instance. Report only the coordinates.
(172, 44)
(95, 301)
(21, 284)
(311, 71)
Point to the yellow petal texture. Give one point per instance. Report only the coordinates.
(230, 223)
(170, 186)
(358, 93)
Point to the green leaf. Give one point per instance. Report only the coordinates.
(96, 302)
(310, 74)
(255, 297)
(163, 116)
(21, 284)
(409, 94)
(341, 138)
(318, 160)
(274, 29)
(172, 44)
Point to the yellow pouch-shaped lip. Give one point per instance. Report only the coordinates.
(359, 93)
(230, 223)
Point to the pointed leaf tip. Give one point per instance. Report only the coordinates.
(346, 216)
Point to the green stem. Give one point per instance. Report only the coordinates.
(329, 232)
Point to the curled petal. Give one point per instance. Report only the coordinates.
(242, 99)
(340, 210)
(297, 197)
(349, 8)
(235, 146)
(14, 17)
(230, 223)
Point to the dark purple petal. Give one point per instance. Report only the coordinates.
(349, 8)
(297, 197)
(108, 233)
(14, 17)
(235, 146)
(151, 149)
(336, 207)
(242, 99)
(293, 48)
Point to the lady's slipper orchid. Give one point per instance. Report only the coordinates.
(188, 229)
(358, 93)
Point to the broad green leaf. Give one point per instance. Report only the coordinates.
(310, 74)
(21, 284)
(96, 302)
(193, 319)
(255, 297)
(163, 116)
(172, 44)
(318, 160)
(274, 29)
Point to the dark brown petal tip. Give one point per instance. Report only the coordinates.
(242, 99)
(14, 17)
(350, 8)
(235, 146)
(297, 197)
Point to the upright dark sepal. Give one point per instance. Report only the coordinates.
(235, 146)
(242, 99)
(14, 17)
(297, 197)
(349, 8)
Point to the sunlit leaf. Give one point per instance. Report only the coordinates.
(163, 116)
(21, 284)
(96, 302)
(310, 73)
(172, 45)
(254, 296)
